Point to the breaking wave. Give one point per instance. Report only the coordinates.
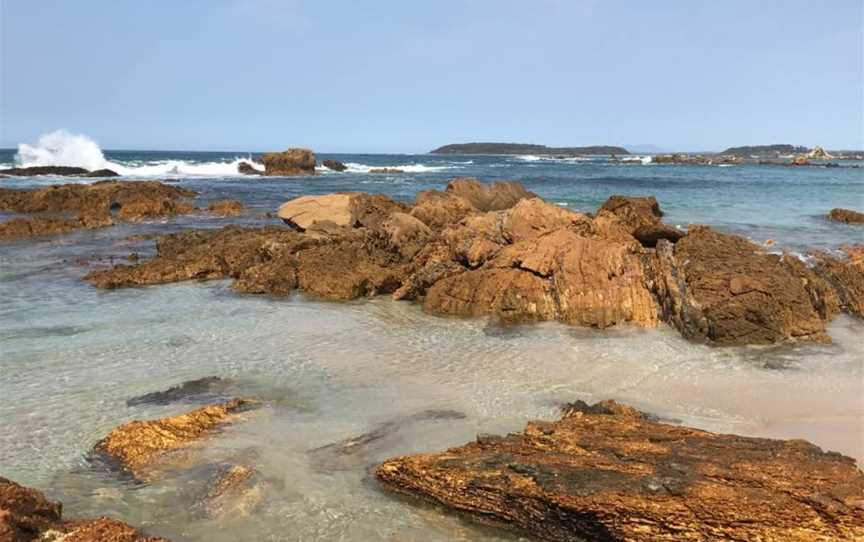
(354, 167)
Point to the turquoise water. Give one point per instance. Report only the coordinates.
(70, 355)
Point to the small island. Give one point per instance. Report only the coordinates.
(527, 148)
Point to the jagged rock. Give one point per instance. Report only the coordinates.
(800, 160)
(607, 472)
(208, 388)
(103, 173)
(386, 170)
(335, 165)
(136, 445)
(27, 516)
(642, 216)
(438, 209)
(346, 270)
(227, 207)
(289, 163)
(94, 206)
(726, 290)
(846, 276)
(245, 168)
(406, 234)
(846, 216)
(818, 153)
(495, 197)
(348, 209)
(45, 170)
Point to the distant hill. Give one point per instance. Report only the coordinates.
(525, 148)
(765, 150)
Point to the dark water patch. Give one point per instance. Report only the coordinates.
(210, 389)
(43, 332)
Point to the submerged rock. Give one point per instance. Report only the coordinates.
(726, 290)
(45, 170)
(386, 170)
(227, 207)
(234, 492)
(199, 390)
(289, 163)
(846, 216)
(136, 445)
(67, 207)
(335, 165)
(27, 516)
(103, 173)
(606, 472)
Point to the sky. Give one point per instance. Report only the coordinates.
(408, 76)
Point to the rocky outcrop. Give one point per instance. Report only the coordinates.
(45, 170)
(818, 153)
(608, 472)
(291, 162)
(846, 216)
(488, 197)
(642, 216)
(135, 446)
(26, 515)
(348, 209)
(846, 276)
(245, 168)
(63, 208)
(227, 208)
(726, 290)
(334, 165)
(697, 159)
(103, 173)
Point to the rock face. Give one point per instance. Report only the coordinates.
(726, 290)
(607, 472)
(289, 163)
(335, 165)
(846, 276)
(642, 216)
(27, 516)
(136, 445)
(63, 208)
(846, 216)
(495, 197)
(227, 207)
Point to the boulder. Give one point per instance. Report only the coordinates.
(103, 173)
(488, 197)
(406, 234)
(609, 472)
(135, 446)
(346, 210)
(227, 207)
(723, 289)
(846, 216)
(800, 160)
(846, 276)
(335, 165)
(642, 216)
(27, 516)
(245, 168)
(289, 163)
(437, 209)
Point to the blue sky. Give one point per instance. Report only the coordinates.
(407, 76)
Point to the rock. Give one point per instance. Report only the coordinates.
(346, 210)
(27, 516)
(289, 163)
(846, 216)
(45, 170)
(818, 153)
(227, 207)
(233, 493)
(335, 165)
(94, 206)
(386, 170)
(346, 270)
(607, 472)
(437, 209)
(846, 276)
(642, 216)
(406, 234)
(208, 388)
(800, 160)
(136, 445)
(495, 197)
(103, 173)
(726, 290)
(245, 168)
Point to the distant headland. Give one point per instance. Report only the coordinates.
(526, 148)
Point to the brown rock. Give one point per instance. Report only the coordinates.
(726, 290)
(406, 234)
(438, 209)
(347, 270)
(335, 165)
(234, 493)
(289, 163)
(245, 168)
(27, 516)
(227, 207)
(348, 210)
(45, 170)
(846, 216)
(607, 472)
(137, 444)
(485, 197)
(846, 276)
(642, 216)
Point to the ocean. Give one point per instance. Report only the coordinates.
(70, 355)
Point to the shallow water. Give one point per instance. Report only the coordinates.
(71, 356)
